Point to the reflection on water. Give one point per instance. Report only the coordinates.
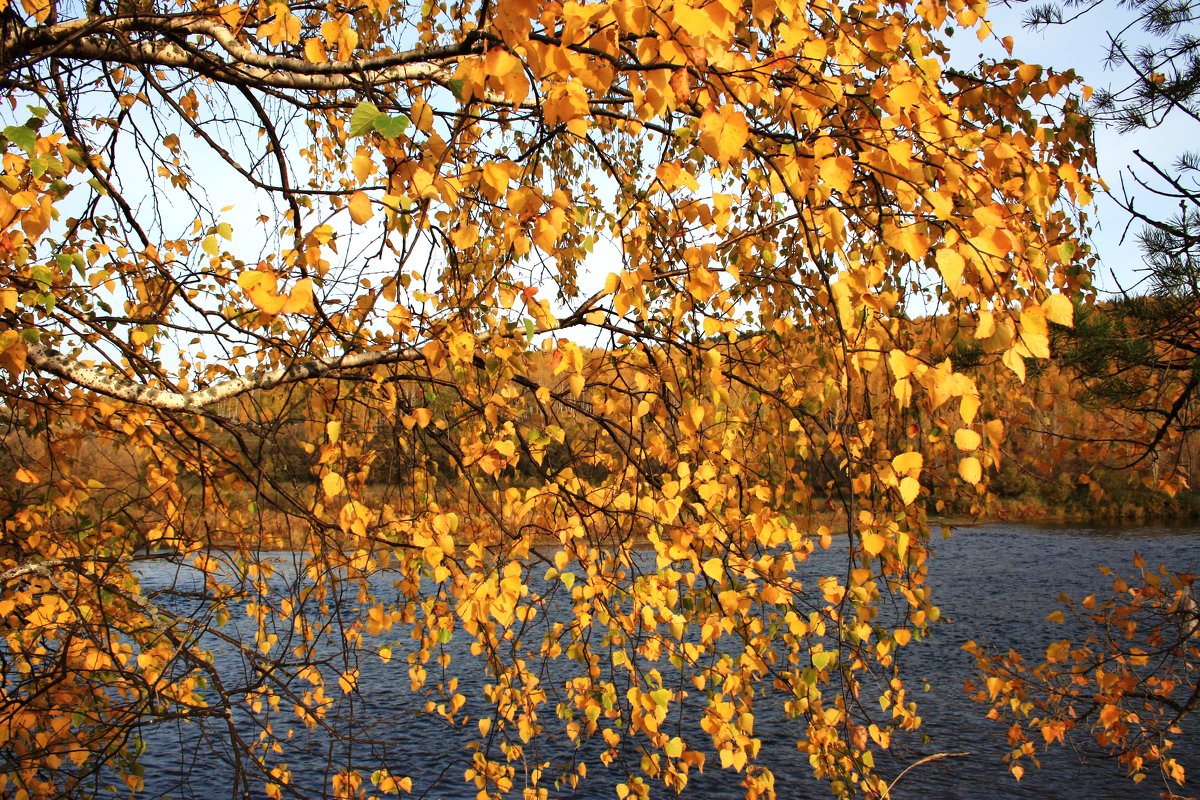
(994, 583)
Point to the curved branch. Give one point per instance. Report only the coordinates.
(82, 374)
(120, 388)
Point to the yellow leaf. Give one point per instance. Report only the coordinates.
(564, 102)
(38, 9)
(873, 542)
(970, 470)
(360, 207)
(1013, 360)
(500, 62)
(905, 94)
(968, 408)
(421, 115)
(909, 489)
(950, 264)
(25, 476)
(1059, 310)
(266, 302)
(906, 463)
(673, 748)
(714, 568)
(13, 353)
(300, 299)
(838, 172)
(993, 216)
(314, 51)
(496, 176)
(987, 325)
(1034, 333)
(723, 133)
(966, 439)
(333, 484)
(363, 166)
(462, 347)
(673, 175)
(464, 236)
(257, 279)
(323, 233)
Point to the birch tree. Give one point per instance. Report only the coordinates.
(453, 302)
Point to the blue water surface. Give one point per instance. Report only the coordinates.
(994, 583)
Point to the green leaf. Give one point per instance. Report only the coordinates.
(39, 112)
(391, 127)
(43, 164)
(824, 659)
(75, 156)
(42, 276)
(22, 137)
(362, 118)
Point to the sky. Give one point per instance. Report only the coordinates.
(1082, 45)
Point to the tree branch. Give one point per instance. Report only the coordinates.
(121, 388)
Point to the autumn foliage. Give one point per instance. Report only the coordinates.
(505, 293)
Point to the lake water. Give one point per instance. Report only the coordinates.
(995, 583)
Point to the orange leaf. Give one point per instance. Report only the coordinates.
(300, 300)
